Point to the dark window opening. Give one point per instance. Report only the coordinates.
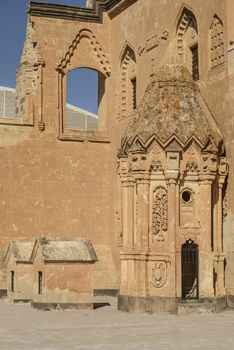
(187, 196)
(134, 95)
(39, 282)
(12, 281)
(85, 89)
(195, 62)
(189, 270)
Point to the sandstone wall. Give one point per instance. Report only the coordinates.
(55, 182)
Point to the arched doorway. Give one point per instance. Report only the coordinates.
(189, 272)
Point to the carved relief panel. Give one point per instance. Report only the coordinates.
(216, 42)
(159, 271)
(159, 214)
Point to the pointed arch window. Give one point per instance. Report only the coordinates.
(128, 85)
(187, 42)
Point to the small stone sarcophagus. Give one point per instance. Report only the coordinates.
(19, 271)
(63, 273)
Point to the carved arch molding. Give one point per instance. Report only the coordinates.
(128, 59)
(187, 19)
(63, 67)
(96, 47)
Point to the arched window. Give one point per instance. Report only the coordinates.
(84, 96)
(128, 85)
(187, 42)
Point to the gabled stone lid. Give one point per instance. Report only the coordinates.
(21, 251)
(75, 249)
(172, 107)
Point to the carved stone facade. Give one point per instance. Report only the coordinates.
(173, 136)
(187, 41)
(160, 215)
(176, 184)
(127, 75)
(217, 42)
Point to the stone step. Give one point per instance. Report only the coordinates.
(189, 307)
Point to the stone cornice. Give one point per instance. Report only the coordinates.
(76, 13)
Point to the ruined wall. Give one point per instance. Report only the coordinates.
(51, 186)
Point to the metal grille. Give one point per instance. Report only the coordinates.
(189, 265)
(39, 282)
(134, 99)
(12, 281)
(195, 62)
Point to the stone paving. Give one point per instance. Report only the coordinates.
(22, 327)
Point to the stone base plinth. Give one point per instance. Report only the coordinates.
(206, 305)
(106, 292)
(3, 293)
(61, 306)
(230, 301)
(166, 305)
(161, 305)
(23, 301)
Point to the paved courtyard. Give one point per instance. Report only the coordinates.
(105, 328)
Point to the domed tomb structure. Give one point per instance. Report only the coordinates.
(172, 172)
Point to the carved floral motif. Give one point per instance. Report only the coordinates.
(192, 166)
(160, 213)
(159, 274)
(156, 166)
(225, 209)
(217, 42)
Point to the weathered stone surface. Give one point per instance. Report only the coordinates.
(58, 181)
(21, 251)
(171, 107)
(77, 249)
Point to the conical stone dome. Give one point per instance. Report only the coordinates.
(172, 106)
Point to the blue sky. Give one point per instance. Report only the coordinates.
(13, 19)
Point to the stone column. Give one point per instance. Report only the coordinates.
(128, 211)
(206, 209)
(172, 178)
(142, 211)
(205, 249)
(220, 215)
(142, 230)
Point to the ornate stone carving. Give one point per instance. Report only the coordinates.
(217, 42)
(160, 213)
(152, 42)
(189, 233)
(192, 166)
(210, 164)
(156, 166)
(41, 126)
(127, 58)
(97, 49)
(159, 274)
(187, 19)
(225, 207)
